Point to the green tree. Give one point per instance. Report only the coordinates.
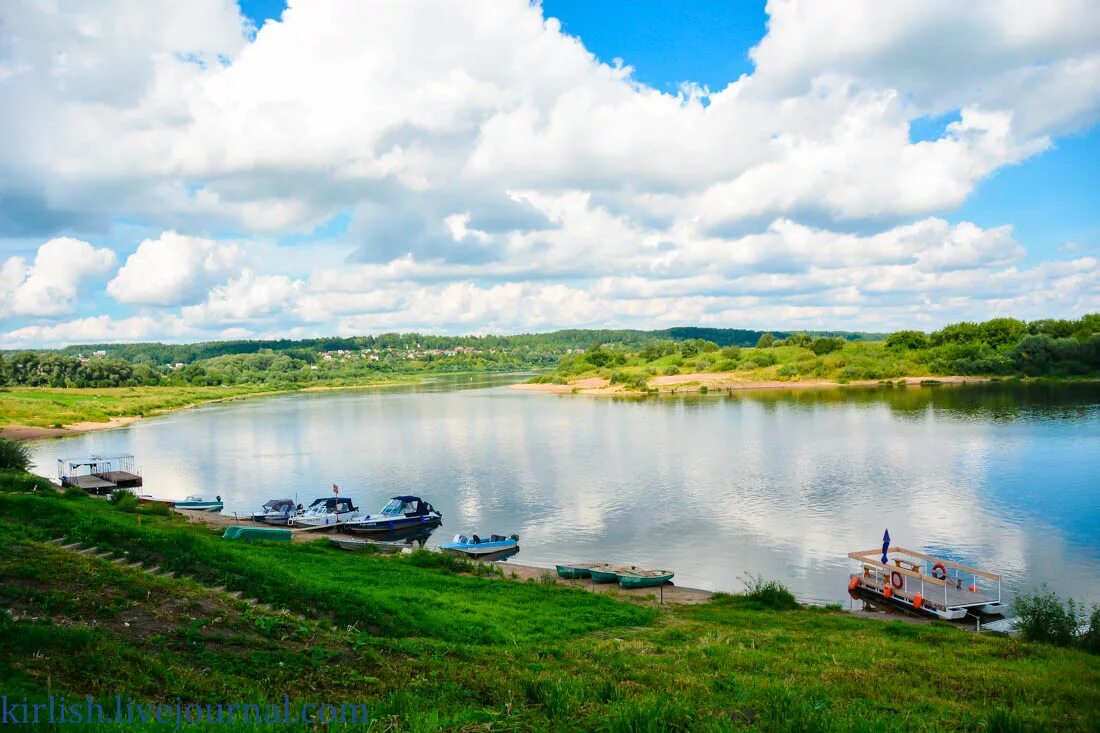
(907, 340)
(14, 456)
(766, 341)
(824, 346)
(956, 333)
(1002, 332)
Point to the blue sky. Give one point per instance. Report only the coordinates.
(368, 167)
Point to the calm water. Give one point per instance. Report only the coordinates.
(783, 484)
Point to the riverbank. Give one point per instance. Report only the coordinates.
(28, 413)
(719, 382)
(427, 642)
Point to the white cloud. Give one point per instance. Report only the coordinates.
(497, 175)
(173, 268)
(51, 284)
(249, 297)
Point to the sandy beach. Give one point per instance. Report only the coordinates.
(27, 432)
(721, 382)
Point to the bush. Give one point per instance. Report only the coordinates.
(766, 341)
(74, 493)
(731, 352)
(631, 381)
(124, 500)
(765, 594)
(764, 358)
(1043, 617)
(14, 456)
(824, 346)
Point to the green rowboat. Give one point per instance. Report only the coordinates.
(257, 534)
(607, 573)
(575, 571)
(644, 578)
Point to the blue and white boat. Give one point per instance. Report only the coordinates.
(275, 511)
(193, 503)
(483, 548)
(401, 513)
(324, 512)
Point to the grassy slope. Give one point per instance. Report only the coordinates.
(429, 648)
(50, 407)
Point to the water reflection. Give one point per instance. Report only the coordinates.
(779, 483)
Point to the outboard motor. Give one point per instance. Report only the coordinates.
(460, 539)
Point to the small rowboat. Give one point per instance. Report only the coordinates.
(575, 571)
(644, 578)
(354, 545)
(257, 534)
(607, 573)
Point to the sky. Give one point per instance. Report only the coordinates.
(212, 170)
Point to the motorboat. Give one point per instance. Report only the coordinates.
(324, 512)
(191, 503)
(478, 547)
(401, 513)
(275, 511)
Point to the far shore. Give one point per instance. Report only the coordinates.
(718, 382)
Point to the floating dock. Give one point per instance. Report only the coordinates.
(920, 583)
(99, 474)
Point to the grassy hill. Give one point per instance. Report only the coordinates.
(427, 644)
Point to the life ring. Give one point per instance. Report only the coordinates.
(973, 588)
(943, 571)
(896, 580)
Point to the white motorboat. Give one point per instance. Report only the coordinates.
(324, 512)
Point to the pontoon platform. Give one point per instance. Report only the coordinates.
(928, 585)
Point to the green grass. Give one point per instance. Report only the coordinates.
(48, 407)
(428, 646)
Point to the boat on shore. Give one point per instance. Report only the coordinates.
(257, 534)
(925, 585)
(602, 573)
(575, 571)
(644, 578)
(479, 548)
(275, 511)
(191, 503)
(400, 514)
(353, 544)
(327, 511)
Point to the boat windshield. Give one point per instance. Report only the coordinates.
(395, 508)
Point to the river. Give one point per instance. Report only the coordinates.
(778, 483)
